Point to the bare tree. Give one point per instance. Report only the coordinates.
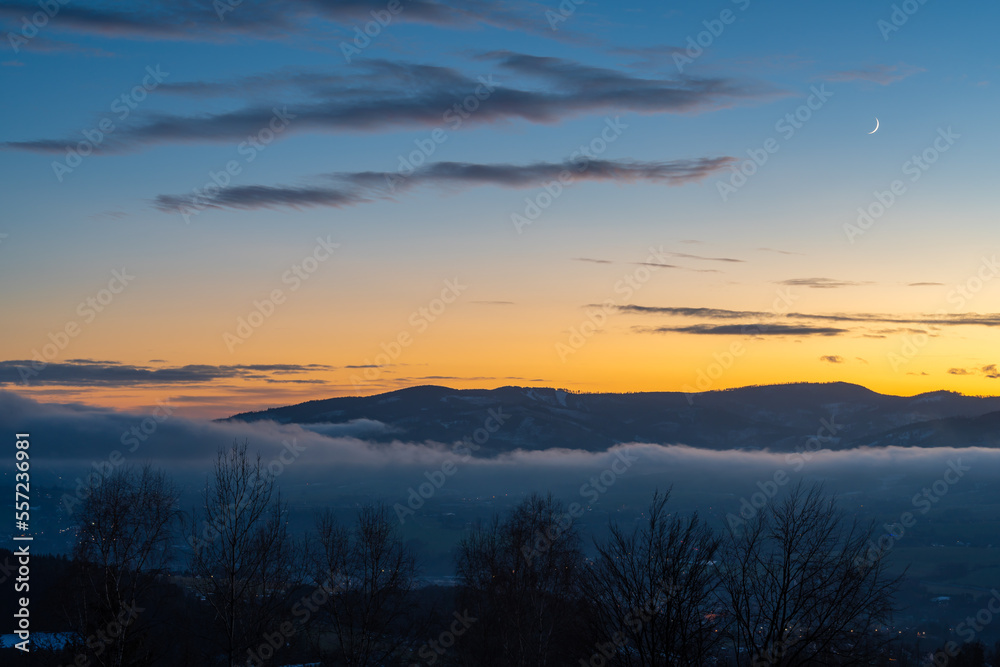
(372, 573)
(242, 556)
(653, 591)
(123, 545)
(519, 579)
(802, 586)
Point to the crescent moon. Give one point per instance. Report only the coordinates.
(876, 127)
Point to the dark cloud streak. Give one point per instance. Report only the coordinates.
(351, 189)
(385, 95)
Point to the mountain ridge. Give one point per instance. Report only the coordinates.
(780, 417)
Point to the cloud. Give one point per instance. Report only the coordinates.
(958, 319)
(493, 303)
(707, 259)
(880, 74)
(343, 458)
(755, 322)
(832, 358)
(989, 371)
(820, 283)
(780, 252)
(594, 261)
(707, 313)
(355, 428)
(752, 329)
(658, 265)
(386, 95)
(188, 20)
(86, 372)
(353, 188)
(924, 284)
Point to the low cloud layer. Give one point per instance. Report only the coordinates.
(72, 439)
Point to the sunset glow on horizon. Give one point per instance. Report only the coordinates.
(256, 209)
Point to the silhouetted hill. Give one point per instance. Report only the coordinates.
(778, 417)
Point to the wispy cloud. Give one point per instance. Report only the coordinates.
(189, 20)
(706, 313)
(750, 329)
(989, 371)
(959, 319)
(832, 358)
(87, 372)
(780, 252)
(353, 188)
(858, 322)
(707, 259)
(383, 95)
(820, 283)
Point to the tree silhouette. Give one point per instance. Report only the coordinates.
(519, 578)
(652, 591)
(124, 528)
(802, 586)
(242, 556)
(372, 572)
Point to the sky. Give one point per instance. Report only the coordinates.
(238, 205)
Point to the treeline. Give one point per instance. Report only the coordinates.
(796, 584)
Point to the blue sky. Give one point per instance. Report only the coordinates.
(656, 185)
